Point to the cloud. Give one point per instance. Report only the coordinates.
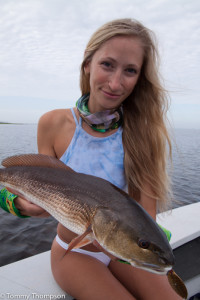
(39, 50)
(42, 44)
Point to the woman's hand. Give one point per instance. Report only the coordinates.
(27, 208)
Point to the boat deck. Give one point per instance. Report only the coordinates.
(31, 278)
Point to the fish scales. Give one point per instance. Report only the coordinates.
(76, 200)
(55, 194)
(93, 207)
(75, 192)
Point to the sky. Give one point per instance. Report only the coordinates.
(42, 44)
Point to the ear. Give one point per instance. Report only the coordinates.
(87, 67)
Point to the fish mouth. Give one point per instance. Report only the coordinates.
(156, 269)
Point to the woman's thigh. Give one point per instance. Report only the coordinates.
(144, 285)
(84, 277)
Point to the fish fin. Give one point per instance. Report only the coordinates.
(177, 284)
(83, 243)
(15, 192)
(80, 240)
(11, 191)
(40, 160)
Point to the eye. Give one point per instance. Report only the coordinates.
(143, 244)
(131, 70)
(106, 64)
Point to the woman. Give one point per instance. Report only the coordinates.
(117, 132)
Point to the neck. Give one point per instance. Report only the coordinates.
(102, 120)
(95, 108)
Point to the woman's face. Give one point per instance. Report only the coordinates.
(114, 70)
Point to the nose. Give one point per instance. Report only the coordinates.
(115, 81)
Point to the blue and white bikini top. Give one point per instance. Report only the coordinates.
(102, 157)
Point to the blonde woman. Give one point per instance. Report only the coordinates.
(117, 132)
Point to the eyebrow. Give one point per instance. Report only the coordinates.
(113, 60)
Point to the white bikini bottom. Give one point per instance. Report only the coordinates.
(98, 255)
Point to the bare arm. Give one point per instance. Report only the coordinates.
(148, 203)
(46, 134)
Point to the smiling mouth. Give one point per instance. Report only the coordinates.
(111, 94)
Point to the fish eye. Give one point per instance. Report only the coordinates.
(143, 244)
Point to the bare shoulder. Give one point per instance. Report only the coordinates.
(55, 118)
(54, 126)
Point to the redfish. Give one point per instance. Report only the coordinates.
(93, 208)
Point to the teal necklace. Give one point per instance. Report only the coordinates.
(100, 121)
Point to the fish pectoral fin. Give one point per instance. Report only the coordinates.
(80, 240)
(83, 243)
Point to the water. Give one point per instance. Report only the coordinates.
(186, 166)
(21, 238)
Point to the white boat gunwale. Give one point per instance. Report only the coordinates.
(32, 276)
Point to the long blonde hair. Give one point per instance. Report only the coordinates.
(145, 136)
